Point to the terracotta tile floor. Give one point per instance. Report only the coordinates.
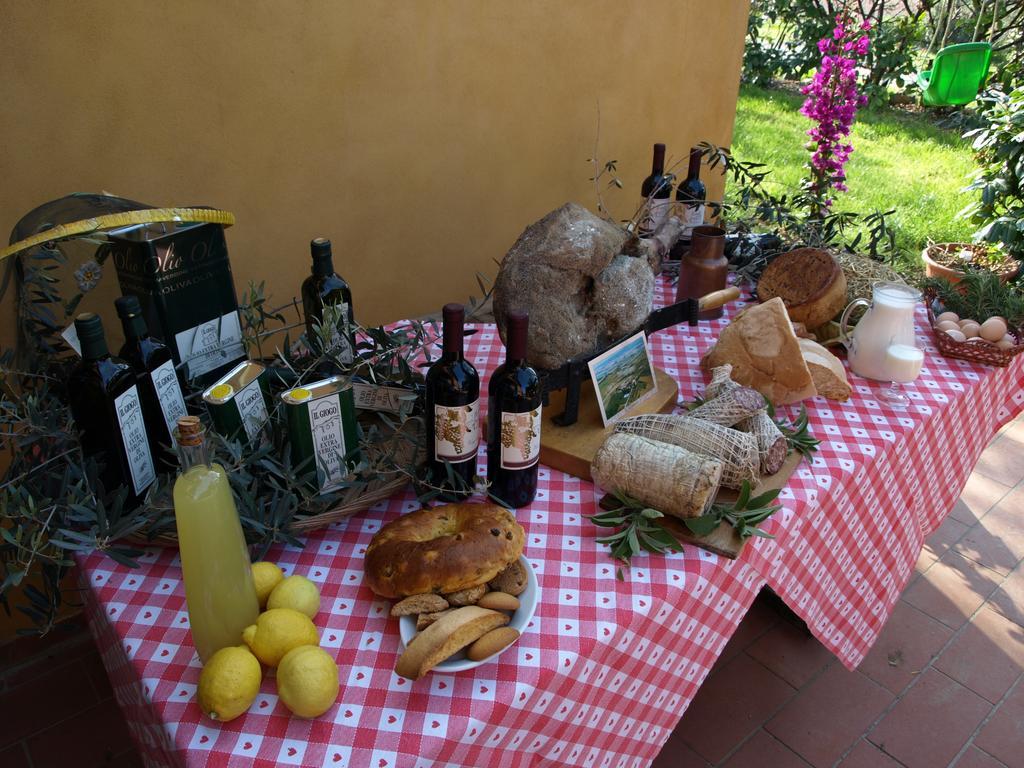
(943, 686)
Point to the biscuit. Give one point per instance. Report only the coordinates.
(424, 620)
(491, 643)
(512, 580)
(444, 637)
(427, 603)
(499, 601)
(467, 596)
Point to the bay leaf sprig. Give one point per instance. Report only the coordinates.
(638, 528)
(745, 514)
(797, 432)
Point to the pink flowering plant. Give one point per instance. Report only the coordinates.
(832, 103)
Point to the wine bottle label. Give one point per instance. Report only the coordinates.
(133, 434)
(456, 432)
(693, 216)
(252, 407)
(520, 439)
(655, 214)
(210, 345)
(168, 393)
(328, 440)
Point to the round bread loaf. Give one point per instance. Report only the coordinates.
(442, 549)
(810, 283)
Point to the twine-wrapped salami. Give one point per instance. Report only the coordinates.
(730, 406)
(666, 477)
(737, 451)
(771, 443)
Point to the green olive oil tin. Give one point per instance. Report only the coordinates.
(237, 403)
(321, 421)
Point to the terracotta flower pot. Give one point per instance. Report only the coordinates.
(932, 268)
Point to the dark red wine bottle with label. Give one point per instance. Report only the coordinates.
(691, 196)
(657, 193)
(159, 387)
(514, 420)
(107, 410)
(453, 408)
(327, 301)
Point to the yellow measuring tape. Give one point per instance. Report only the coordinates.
(124, 219)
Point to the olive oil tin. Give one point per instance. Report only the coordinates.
(322, 429)
(238, 401)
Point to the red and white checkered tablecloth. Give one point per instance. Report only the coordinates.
(607, 667)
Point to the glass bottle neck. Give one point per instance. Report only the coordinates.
(658, 163)
(193, 456)
(693, 172)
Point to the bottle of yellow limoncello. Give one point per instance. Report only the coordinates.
(219, 588)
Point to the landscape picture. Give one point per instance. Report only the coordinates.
(623, 376)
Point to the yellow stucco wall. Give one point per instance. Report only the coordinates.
(421, 137)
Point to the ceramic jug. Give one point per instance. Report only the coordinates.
(889, 321)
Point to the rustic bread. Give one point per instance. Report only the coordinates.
(810, 283)
(827, 371)
(444, 637)
(764, 353)
(442, 549)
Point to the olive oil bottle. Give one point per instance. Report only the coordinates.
(219, 589)
(159, 387)
(107, 410)
(327, 305)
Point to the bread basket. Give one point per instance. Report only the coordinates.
(810, 283)
(974, 350)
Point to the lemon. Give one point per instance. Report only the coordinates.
(266, 576)
(307, 681)
(298, 593)
(229, 683)
(276, 632)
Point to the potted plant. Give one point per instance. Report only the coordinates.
(950, 261)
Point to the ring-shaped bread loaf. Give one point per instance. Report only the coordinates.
(442, 549)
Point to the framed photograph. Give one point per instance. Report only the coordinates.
(623, 376)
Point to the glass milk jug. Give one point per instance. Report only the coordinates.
(889, 321)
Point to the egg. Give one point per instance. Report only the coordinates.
(957, 335)
(1006, 343)
(948, 325)
(993, 329)
(970, 330)
(951, 316)
(965, 321)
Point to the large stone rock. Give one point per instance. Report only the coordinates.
(568, 270)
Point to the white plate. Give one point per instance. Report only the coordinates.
(520, 619)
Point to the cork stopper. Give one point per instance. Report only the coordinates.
(190, 431)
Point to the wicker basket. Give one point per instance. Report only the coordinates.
(975, 350)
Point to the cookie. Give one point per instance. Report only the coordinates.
(467, 596)
(491, 643)
(427, 603)
(499, 601)
(512, 580)
(424, 620)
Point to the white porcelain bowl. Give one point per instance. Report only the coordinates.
(520, 619)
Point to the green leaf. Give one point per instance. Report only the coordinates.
(703, 525)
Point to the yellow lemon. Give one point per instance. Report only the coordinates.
(266, 576)
(308, 681)
(298, 593)
(276, 632)
(229, 683)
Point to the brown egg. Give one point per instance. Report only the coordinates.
(1005, 343)
(951, 316)
(993, 329)
(970, 329)
(957, 335)
(948, 325)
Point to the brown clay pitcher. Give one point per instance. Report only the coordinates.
(704, 268)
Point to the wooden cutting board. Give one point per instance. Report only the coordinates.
(572, 448)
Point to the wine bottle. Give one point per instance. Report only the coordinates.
(691, 194)
(105, 404)
(657, 193)
(453, 408)
(514, 420)
(159, 387)
(327, 305)
(219, 589)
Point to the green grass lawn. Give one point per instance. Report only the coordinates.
(900, 161)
